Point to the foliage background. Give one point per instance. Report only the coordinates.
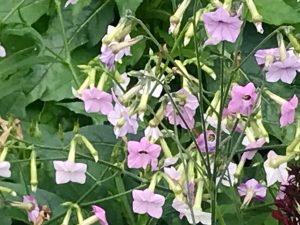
(41, 68)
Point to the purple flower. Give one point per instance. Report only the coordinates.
(172, 173)
(2, 51)
(252, 189)
(97, 101)
(143, 153)
(33, 213)
(288, 111)
(242, 99)
(5, 169)
(148, 202)
(211, 141)
(187, 105)
(285, 70)
(67, 171)
(122, 121)
(108, 57)
(220, 26)
(100, 214)
(262, 55)
(153, 133)
(250, 154)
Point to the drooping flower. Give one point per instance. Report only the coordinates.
(243, 99)
(279, 173)
(2, 51)
(211, 141)
(142, 154)
(122, 121)
(170, 161)
(285, 70)
(68, 171)
(5, 169)
(97, 101)
(33, 213)
(146, 201)
(125, 81)
(72, 2)
(184, 210)
(187, 104)
(288, 111)
(172, 173)
(221, 26)
(256, 144)
(251, 189)
(153, 133)
(99, 216)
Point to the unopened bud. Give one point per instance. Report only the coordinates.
(33, 171)
(90, 147)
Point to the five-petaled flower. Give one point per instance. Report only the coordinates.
(142, 153)
(68, 171)
(146, 201)
(210, 141)
(243, 99)
(251, 189)
(221, 26)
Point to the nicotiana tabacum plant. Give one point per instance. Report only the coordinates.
(190, 124)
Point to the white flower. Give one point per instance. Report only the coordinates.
(2, 51)
(5, 169)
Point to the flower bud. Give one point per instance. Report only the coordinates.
(72, 150)
(90, 147)
(102, 81)
(281, 45)
(190, 31)
(8, 190)
(294, 41)
(165, 148)
(116, 47)
(67, 217)
(33, 171)
(3, 153)
(275, 97)
(256, 17)
(175, 19)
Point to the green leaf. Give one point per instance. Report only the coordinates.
(277, 12)
(124, 5)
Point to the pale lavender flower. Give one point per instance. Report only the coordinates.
(143, 153)
(288, 111)
(122, 121)
(72, 2)
(117, 90)
(170, 161)
(5, 169)
(172, 173)
(221, 26)
(148, 202)
(100, 214)
(243, 99)
(184, 210)
(153, 133)
(285, 70)
(68, 171)
(229, 179)
(211, 141)
(2, 51)
(279, 173)
(187, 105)
(252, 189)
(34, 212)
(267, 56)
(97, 101)
(250, 154)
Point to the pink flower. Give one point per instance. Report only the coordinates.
(187, 105)
(250, 154)
(5, 169)
(97, 101)
(2, 51)
(172, 173)
(100, 214)
(252, 189)
(220, 26)
(243, 99)
(148, 202)
(211, 141)
(67, 171)
(284, 70)
(288, 111)
(143, 153)
(279, 173)
(122, 121)
(72, 2)
(34, 212)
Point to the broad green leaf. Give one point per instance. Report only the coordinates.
(124, 5)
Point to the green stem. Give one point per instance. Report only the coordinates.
(11, 12)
